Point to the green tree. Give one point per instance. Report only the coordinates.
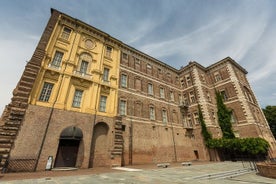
(206, 135)
(224, 118)
(270, 114)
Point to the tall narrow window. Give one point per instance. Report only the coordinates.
(106, 74)
(196, 118)
(188, 80)
(124, 80)
(152, 113)
(180, 98)
(57, 59)
(164, 116)
(83, 67)
(77, 98)
(125, 56)
(217, 77)
(108, 51)
(171, 96)
(162, 93)
(192, 97)
(150, 89)
(138, 84)
(103, 103)
(149, 69)
(122, 107)
(137, 64)
(224, 95)
(46, 92)
(189, 121)
(66, 33)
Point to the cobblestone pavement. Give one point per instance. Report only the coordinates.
(213, 173)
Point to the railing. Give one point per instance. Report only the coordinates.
(82, 74)
(54, 66)
(105, 82)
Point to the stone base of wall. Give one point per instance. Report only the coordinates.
(267, 169)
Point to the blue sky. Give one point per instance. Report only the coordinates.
(173, 31)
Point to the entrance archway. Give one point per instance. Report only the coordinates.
(68, 147)
(100, 144)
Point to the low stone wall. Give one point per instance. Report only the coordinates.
(267, 169)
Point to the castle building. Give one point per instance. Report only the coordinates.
(86, 99)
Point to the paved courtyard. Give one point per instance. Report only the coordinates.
(213, 173)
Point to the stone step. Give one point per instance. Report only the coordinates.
(32, 66)
(8, 133)
(116, 153)
(17, 111)
(12, 129)
(118, 141)
(5, 141)
(4, 150)
(5, 145)
(5, 136)
(20, 99)
(30, 73)
(24, 88)
(13, 123)
(27, 79)
(22, 93)
(15, 118)
(117, 132)
(26, 84)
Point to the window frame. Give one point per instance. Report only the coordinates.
(103, 102)
(124, 82)
(57, 59)
(123, 107)
(45, 93)
(77, 98)
(66, 33)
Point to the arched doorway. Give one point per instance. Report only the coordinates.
(68, 147)
(100, 144)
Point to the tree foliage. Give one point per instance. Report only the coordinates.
(270, 114)
(252, 146)
(204, 131)
(224, 118)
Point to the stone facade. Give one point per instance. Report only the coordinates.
(87, 100)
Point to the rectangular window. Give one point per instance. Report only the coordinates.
(46, 92)
(103, 103)
(57, 59)
(189, 121)
(152, 113)
(196, 118)
(66, 33)
(124, 80)
(164, 116)
(217, 77)
(180, 98)
(125, 56)
(122, 107)
(188, 80)
(108, 51)
(223, 95)
(162, 93)
(150, 89)
(137, 64)
(172, 96)
(106, 74)
(83, 67)
(77, 98)
(192, 97)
